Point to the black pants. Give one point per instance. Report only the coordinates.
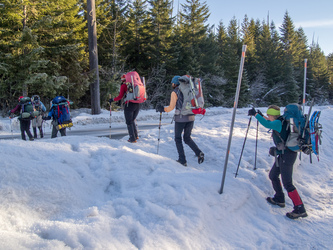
(187, 128)
(286, 163)
(25, 128)
(40, 132)
(55, 131)
(131, 111)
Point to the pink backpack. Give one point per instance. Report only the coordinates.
(136, 89)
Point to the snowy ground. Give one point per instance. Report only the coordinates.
(81, 192)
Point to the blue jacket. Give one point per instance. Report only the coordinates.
(52, 112)
(279, 128)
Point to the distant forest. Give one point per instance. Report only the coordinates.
(44, 51)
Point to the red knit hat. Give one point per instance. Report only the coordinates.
(20, 98)
(123, 78)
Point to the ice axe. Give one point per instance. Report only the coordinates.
(110, 115)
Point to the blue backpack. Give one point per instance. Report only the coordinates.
(61, 111)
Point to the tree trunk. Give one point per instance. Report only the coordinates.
(24, 23)
(93, 58)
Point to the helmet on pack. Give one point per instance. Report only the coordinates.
(35, 98)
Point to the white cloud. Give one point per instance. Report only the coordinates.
(314, 23)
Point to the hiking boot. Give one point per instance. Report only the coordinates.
(131, 141)
(184, 164)
(35, 132)
(201, 157)
(275, 201)
(41, 132)
(31, 139)
(299, 211)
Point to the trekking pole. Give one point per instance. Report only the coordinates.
(44, 123)
(240, 73)
(110, 115)
(304, 93)
(306, 124)
(41, 126)
(11, 127)
(240, 157)
(159, 132)
(304, 85)
(307, 118)
(255, 155)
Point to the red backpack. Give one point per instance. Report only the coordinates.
(136, 89)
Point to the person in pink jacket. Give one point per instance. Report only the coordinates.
(24, 123)
(131, 111)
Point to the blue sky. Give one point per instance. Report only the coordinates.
(315, 17)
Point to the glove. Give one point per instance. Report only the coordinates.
(45, 118)
(272, 151)
(252, 112)
(259, 112)
(160, 109)
(111, 100)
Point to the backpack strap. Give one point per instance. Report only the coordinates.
(58, 114)
(180, 98)
(276, 158)
(23, 105)
(180, 101)
(66, 109)
(281, 145)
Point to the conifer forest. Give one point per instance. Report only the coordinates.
(44, 51)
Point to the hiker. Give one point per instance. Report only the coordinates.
(24, 122)
(59, 112)
(284, 161)
(38, 120)
(183, 123)
(131, 111)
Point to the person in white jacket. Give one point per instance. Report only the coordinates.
(38, 121)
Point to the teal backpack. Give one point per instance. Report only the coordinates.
(27, 109)
(305, 130)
